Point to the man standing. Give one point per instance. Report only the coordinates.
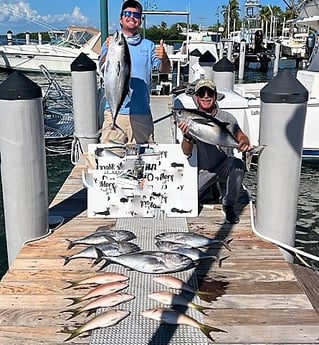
(217, 163)
(135, 120)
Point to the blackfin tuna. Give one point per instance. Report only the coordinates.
(117, 71)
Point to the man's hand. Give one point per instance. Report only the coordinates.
(183, 127)
(160, 50)
(160, 53)
(243, 142)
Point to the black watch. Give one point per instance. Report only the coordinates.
(188, 138)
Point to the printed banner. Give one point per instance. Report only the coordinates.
(139, 180)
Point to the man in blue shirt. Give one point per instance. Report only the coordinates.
(135, 120)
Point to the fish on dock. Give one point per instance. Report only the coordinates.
(105, 319)
(101, 237)
(174, 317)
(117, 73)
(99, 279)
(109, 249)
(194, 253)
(178, 284)
(109, 300)
(101, 290)
(172, 299)
(118, 235)
(191, 238)
(152, 261)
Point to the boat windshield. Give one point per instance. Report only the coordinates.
(74, 39)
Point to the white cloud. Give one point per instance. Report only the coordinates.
(19, 17)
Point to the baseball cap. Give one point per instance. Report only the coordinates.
(132, 3)
(205, 83)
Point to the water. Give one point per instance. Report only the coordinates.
(307, 235)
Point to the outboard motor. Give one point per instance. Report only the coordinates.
(310, 43)
(258, 42)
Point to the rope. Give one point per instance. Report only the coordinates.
(76, 150)
(272, 240)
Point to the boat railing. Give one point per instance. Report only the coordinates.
(58, 114)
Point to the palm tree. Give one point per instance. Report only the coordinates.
(231, 16)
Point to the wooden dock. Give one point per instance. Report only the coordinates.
(258, 297)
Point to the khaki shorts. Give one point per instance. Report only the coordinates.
(130, 129)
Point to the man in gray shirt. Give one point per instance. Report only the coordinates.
(217, 163)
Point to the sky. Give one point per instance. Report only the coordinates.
(41, 15)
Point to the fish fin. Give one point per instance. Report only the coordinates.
(71, 244)
(73, 333)
(71, 284)
(66, 259)
(220, 260)
(118, 68)
(74, 312)
(75, 300)
(199, 308)
(206, 329)
(249, 155)
(226, 244)
(205, 296)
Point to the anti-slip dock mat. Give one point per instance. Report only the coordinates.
(136, 329)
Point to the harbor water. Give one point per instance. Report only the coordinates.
(307, 235)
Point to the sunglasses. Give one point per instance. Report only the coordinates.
(203, 91)
(136, 15)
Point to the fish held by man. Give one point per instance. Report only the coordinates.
(174, 317)
(210, 130)
(106, 319)
(117, 72)
(206, 128)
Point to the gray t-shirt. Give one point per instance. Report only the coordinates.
(210, 156)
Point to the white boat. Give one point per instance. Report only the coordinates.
(293, 43)
(56, 56)
(244, 100)
(199, 48)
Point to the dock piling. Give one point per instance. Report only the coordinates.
(84, 92)
(23, 162)
(282, 118)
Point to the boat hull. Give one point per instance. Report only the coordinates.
(30, 59)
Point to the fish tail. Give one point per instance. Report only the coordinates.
(71, 284)
(206, 329)
(75, 300)
(204, 295)
(71, 244)
(199, 308)
(66, 259)
(220, 260)
(226, 244)
(73, 333)
(249, 155)
(74, 313)
(96, 262)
